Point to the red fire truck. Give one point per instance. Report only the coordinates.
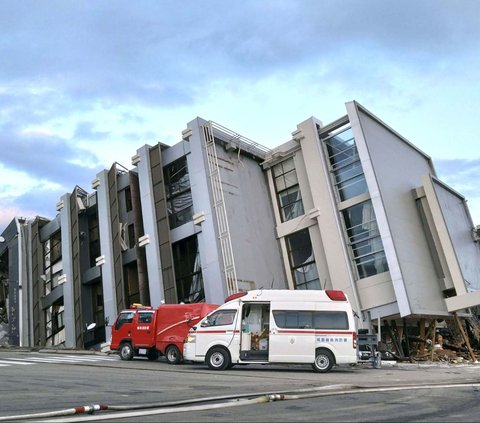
(142, 331)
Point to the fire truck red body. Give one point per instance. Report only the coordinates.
(140, 330)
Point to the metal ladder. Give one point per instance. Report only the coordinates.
(220, 210)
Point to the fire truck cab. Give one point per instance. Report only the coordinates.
(143, 331)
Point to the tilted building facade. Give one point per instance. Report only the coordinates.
(349, 205)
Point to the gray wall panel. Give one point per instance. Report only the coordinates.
(398, 168)
(459, 224)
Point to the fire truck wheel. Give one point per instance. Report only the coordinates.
(218, 358)
(126, 351)
(324, 361)
(173, 355)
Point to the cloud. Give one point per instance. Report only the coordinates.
(462, 176)
(159, 52)
(44, 156)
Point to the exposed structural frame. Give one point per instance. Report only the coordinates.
(220, 210)
(239, 141)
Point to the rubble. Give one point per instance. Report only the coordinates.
(452, 340)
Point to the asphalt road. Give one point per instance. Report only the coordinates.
(33, 382)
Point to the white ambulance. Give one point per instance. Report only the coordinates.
(276, 326)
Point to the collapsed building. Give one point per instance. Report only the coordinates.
(349, 205)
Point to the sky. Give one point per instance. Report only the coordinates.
(84, 84)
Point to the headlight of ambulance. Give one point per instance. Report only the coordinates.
(191, 338)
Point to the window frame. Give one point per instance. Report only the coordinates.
(340, 168)
(295, 267)
(368, 239)
(211, 320)
(188, 270)
(175, 190)
(311, 318)
(281, 172)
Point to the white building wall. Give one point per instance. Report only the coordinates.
(460, 225)
(251, 221)
(393, 167)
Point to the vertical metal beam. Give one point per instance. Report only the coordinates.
(220, 210)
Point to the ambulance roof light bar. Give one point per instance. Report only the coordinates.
(336, 295)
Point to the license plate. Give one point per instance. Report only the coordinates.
(142, 351)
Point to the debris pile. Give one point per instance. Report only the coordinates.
(452, 340)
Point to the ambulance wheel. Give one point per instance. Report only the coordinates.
(173, 355)
(126, 351)
(324, 361)
(152, 355)
(218, 358)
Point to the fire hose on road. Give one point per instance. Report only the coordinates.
(77, 414)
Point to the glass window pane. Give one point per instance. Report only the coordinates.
(345, 165)
(277, 170)
(305, 319)
(288, 190)
(352, 188)
(372, 264)
(289, 196)
(348, 172)
(221, 318)
(288, 165)
(331, 320)
(280, 184)
(291, 319)
(313, 284)
(279, 317)
(291, 178)
(292, 211)
(365, 242)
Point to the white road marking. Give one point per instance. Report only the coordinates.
(61, 359)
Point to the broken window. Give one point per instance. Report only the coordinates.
(302, 260)
(93, 239)
(188, 271)
(178, 192)
(55, 328)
